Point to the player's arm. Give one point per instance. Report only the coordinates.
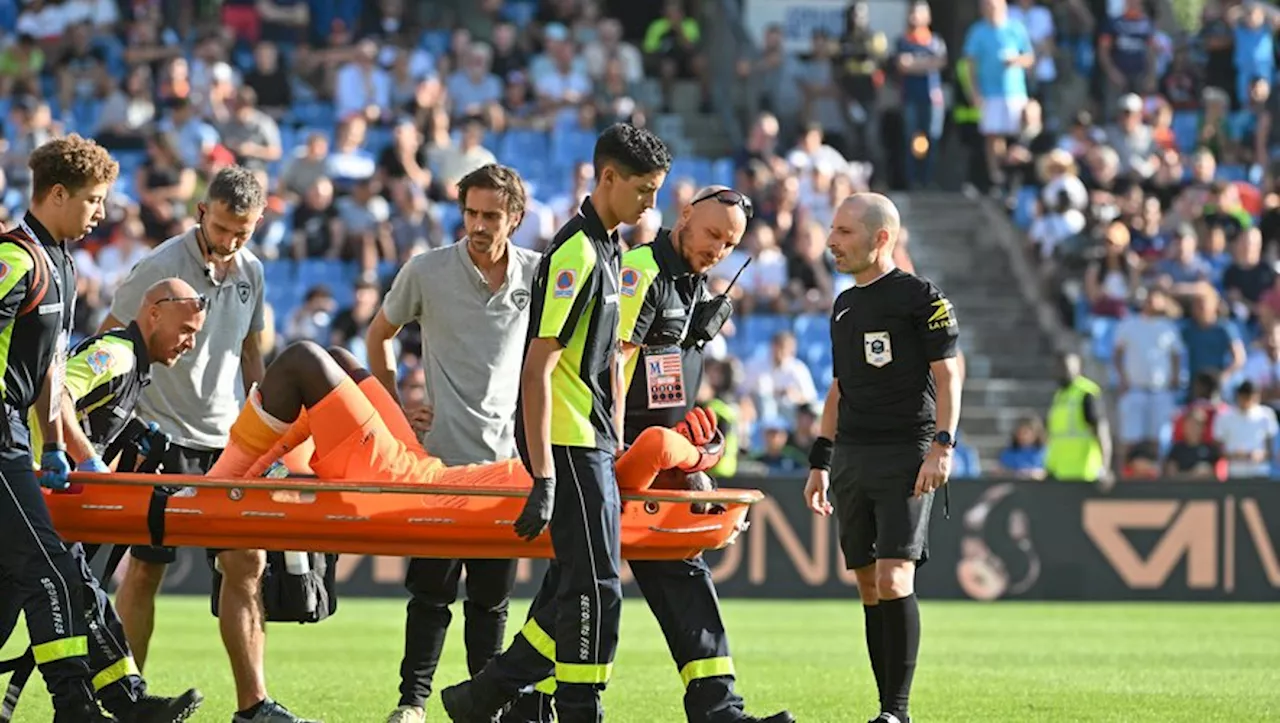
(379, 344)
(404, 303)
(535, 388)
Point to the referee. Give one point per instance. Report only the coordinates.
(568, 435)
(892, 412)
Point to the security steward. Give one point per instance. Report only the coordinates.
(104, 376)
(888, 433)
(39, 573)
(70, 180)
(667, 316)
(568, 436)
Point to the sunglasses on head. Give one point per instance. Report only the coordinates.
(729, 197)
(201, 301)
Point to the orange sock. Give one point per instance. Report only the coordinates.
(253, 433)
(655, 450)
(299, 432)
(391, 413)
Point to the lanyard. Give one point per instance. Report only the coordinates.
(64, 300)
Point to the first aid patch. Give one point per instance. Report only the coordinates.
(630, 280)
(564, 284)
(99, 361)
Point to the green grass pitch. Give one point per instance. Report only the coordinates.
(979, 662)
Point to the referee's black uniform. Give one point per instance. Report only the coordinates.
(885, 335)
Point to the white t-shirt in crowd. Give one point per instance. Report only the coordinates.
(1242, 431)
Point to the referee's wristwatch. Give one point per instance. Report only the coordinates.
(945, 439)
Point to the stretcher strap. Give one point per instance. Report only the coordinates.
(155, 515)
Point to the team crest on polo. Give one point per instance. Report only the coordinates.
(244, 289)
(520, 297)
(878, 349)
(99, 361)
(630, 280)
(564, 284)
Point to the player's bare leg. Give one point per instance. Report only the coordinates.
(900, 616)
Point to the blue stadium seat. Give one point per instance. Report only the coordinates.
(435, 42)
(1102, 334)
(520, 12)
(1025, 210)
(571, 146)
(519, 146)
(722, 172)
(812, 328)
(1232, 173)
(1186, 126)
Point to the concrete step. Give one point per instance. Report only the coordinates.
(987, 392)
(996, 420)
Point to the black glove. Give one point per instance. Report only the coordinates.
(537, 509)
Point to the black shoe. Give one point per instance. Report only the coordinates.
(889, 718)
(462, 707)
(155, 709)
(779, 717)
(88, 713)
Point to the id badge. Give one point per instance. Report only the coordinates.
(59, 372)
(664, 373)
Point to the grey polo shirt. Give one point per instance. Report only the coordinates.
(472, 347)
(197, 399)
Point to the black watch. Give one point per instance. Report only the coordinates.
(945, 439)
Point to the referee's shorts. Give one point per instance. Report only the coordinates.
(878, 517)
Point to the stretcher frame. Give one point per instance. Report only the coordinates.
(373, 518)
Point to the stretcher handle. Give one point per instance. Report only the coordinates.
(297, 484)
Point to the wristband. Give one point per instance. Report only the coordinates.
(54, 447)
(820, 454)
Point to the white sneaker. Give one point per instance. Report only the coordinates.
(407, 714)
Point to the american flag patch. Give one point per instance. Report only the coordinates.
(665, 365)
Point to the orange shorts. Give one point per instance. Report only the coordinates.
(354, 443)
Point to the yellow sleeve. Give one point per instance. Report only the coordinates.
(568, 275)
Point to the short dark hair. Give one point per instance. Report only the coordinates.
(503, 180)
(633, 151)
(238, 188)
(74, 162)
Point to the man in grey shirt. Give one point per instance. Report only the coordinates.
(471, 300)
(195, 402)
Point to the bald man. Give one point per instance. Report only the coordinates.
(666, 316)
(104, 376)
(107, 372)
(888, 432)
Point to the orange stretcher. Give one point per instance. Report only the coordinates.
(385, 518)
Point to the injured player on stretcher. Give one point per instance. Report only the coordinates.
(360, 433)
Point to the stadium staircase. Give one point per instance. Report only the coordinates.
(969, 249)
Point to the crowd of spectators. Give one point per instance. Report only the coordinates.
(359, 116)
(1151, 202)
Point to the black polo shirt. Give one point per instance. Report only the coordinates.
(658, 293)
(884, 336)
(574, 300)
(28, 341)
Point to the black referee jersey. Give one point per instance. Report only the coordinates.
(884, 336)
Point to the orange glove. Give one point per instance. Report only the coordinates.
(699, 426)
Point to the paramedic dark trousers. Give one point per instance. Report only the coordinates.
(42, 574)
(578, 623)
(433, 584)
